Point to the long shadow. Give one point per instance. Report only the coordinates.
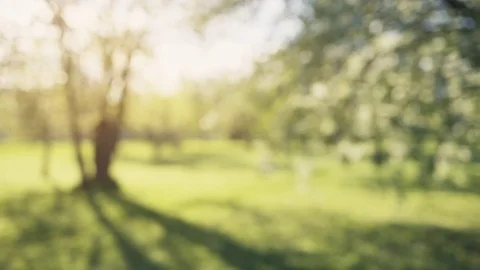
(39, 219)
(132, 254)
(410, 246)
(386, 246)
(228, 249)
(94, 258)
(49, 235)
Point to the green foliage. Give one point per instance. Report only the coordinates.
(395, 75)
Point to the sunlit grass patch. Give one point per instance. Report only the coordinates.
(172, 216)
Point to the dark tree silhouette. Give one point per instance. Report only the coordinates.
(106, 138)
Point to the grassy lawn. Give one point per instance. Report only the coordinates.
(209, 208)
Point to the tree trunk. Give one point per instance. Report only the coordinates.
(106, 139)
(71, 99)
(67, 66)
(73, 119)
(107, 135)
(47, 152)
(122, 105)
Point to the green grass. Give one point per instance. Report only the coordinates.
(208, 208)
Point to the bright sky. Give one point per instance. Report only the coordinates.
(227, 47)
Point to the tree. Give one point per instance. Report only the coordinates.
(392, 75)
(117, 47)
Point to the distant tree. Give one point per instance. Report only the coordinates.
(35, 123)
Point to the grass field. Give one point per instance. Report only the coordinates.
(209, 208)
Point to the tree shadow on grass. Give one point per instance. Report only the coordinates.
(59, 231)
(39, 232)
(345, 244)
(45, 242)
(71, 233)
(131, 253)
(231, 251)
